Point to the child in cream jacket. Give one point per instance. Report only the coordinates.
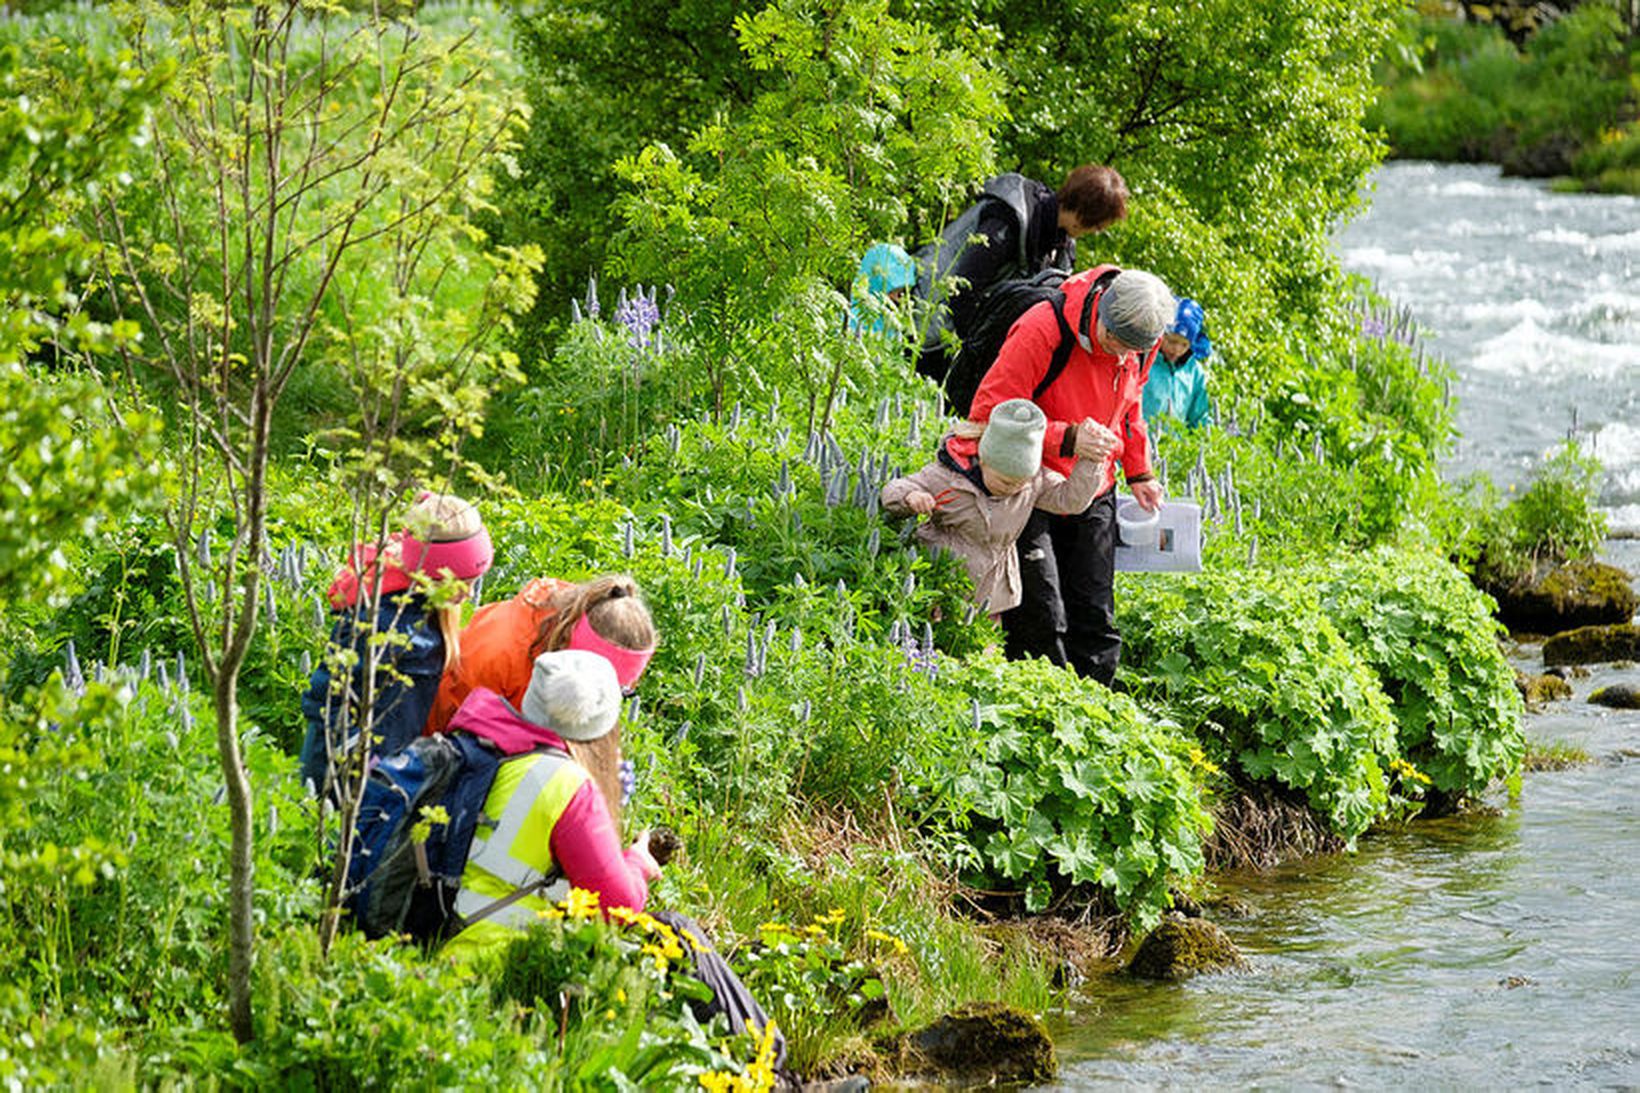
(977, 508)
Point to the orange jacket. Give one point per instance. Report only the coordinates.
(497, 650)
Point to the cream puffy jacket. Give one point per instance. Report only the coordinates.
(981, 529)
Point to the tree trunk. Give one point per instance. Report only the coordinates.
(241, 859)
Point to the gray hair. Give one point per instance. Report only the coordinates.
(1136, 308)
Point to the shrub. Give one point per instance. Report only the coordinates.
(1070, 784)
(1554, 520)
(1251, 664)
(1430, 636)
(113, 895)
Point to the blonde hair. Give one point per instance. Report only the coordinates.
(602, 760)
(610, 603)
(442, 518)
(449, 625)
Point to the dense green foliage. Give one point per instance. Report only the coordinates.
(1072, 785)
(1563, 104)
(1555, 519)
(1428, 634)
(825, 722)
(1257, 671)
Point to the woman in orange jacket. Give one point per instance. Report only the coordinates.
(605, 615)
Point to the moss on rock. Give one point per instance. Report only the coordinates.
(1619, 696)
(1538, 689)
(1583, 593)
(1179, 948)
(1592, 644)
(981, 1043)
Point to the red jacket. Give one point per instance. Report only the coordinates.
(1097, 385)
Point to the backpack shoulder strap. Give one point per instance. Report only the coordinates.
(1069, 338)
(1061, 352)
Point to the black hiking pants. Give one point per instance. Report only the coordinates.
(1067, 567)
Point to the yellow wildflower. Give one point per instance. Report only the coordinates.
(900, 947)
(581, 903)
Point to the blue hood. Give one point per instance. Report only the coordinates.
(1189, 322)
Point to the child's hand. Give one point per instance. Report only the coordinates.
(1094, 441)
(920, 501)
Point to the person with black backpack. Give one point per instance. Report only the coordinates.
(1084, 356)
(1017, 229)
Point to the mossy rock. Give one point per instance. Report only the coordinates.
(1592, 644)
(1619, 696)
(1567, 596)
(1179, 948)
(1537, 690)
(981, 1043)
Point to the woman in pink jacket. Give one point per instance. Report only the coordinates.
(978, 504)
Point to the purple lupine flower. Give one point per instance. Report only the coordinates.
(1372, 327)
(629, 781)
(920, 656)
(640, 315)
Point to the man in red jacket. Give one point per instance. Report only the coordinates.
(1067, 563)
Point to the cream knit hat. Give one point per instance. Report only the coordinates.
(1012, 442)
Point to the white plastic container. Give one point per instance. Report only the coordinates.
(1138, 526)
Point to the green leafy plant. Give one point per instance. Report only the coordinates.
(1251, 664)
(1072, 785)
(1556, 519)
(1430, 636)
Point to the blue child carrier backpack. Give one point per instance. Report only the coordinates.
(397, 884)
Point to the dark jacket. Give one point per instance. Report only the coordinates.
(406, 680)
(983, 265)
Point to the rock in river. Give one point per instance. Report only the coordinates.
(1179, 948)
(1592, 644)
(1574, 594)
(1619, 696)
(982, 1043)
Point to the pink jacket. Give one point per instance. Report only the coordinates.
(981, 529)
(584, 842)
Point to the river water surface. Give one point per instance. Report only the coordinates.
(1497, 949)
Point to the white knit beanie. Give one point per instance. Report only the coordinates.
(574, 693)
(1136, 308)
(1012, 442)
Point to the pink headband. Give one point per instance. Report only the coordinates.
(465, 558)
(629, 663)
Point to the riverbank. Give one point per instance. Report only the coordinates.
(1466, 951)
(1555, 105)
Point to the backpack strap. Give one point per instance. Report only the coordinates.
(1061, 352)
(540, 884)
(1068, 338)
(496, 906)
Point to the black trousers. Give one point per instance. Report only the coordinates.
(1067, 566)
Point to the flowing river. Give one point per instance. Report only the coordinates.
(1500, 948)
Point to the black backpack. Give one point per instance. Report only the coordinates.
(934, 261)
(999, 310)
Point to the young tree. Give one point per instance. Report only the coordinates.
(862, 117)
(71, 460)
(304, 209)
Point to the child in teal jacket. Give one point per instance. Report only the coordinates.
(1178, 379)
